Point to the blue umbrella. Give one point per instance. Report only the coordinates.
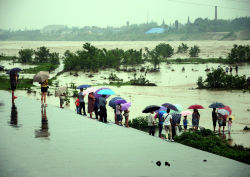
(106, 92)
(170, 106)
(162, 108)
(216, 105)
(112, 101)
(16, 70)
(83, 86)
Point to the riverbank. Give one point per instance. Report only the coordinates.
(71, 140)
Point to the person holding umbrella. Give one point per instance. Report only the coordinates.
(103, 110)
(44, 90)
(195, 119)
(81, 96)
(214, 118)
(91, 103)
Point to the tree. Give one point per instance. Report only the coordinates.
(164, 50)
(54, 58)
(153, 57)
(25, 55)
(194, 51)
(42, 55)
(239, 54)
(182, 48)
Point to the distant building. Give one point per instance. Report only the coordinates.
(176, 24)
(155, 31)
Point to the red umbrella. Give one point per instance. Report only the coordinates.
(228, 109)
(196, 106)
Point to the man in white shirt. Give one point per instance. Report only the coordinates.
(167, 125)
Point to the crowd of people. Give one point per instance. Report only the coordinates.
(166, 121)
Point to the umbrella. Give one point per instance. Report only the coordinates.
(228, 109)
(89, 90)
(125, 106)
(185, 113)
(196, 106)
(60, 91)
(14, 70)
(120, 101)
(179, 109)
(41, 76)
(106, 92)
(112, 101)
(223, 112)
(150, 108)
(162, 108)
(160, 114)
(98, 95)
(216, 105)
(83, 86)
(170, 106)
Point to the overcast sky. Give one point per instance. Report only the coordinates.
(35, 14)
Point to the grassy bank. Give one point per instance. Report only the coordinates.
(41, 67)
(22, 83)
(206, 140)
(198, 60)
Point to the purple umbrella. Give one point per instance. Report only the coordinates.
(98, 95)
(162, 108)
(125, 106)
(170, 106)
(120, 101)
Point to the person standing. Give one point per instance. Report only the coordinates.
(62, 98)
(13, 83)
(96, 108)
(236, 69)
(227, 70)
(168, 125)
(151, 123)
(103, 110)
(230, 69)
(91, 103)
(82, 103)
(44, 90)
(229, 124)
(214, 118)
(195, 119)
(176, 118)
(160, 123)
(185, 123)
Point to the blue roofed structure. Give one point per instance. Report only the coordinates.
(155, 30)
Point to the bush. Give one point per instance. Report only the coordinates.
(200, 83)
(219, 79)
(42, 55)
(239, 54)
(207, 141)
(194, 51)
(138, 123)
(25, 55)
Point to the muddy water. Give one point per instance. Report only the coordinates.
(209, 49)
(173, 85)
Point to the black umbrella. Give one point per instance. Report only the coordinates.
(170, 106)
(15, 70)
(150, 108)
(216, 105)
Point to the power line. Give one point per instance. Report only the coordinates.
(201, 4)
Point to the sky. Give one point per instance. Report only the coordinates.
(36, 14)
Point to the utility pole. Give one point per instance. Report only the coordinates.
(215, 18)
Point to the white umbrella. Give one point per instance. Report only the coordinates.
(41, 76)
(223, 112)
(60, 91)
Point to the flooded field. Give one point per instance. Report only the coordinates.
(173, 84)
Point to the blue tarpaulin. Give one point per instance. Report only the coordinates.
(155, 30)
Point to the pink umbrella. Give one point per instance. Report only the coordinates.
(89, 90)
(185, 113)
(125, 106)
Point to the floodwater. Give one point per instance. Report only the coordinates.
(173, 85)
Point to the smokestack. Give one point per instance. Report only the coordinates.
(215, 18)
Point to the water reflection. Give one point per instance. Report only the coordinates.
(43, 132)
(13, 116)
